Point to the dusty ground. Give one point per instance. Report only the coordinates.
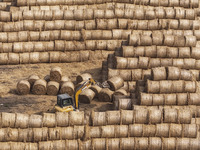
(10, 75)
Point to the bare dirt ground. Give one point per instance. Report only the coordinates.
(10, 101)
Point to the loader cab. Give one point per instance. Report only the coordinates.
(64, 100)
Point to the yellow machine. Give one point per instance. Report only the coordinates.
(65, 103)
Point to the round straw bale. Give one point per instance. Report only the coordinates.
(178, 63)
(169, 40)
(105, 95)
(99, 14)
(35, 121)
(86, 96)
(76, 118)
(139, 14)
(136, 74)
(170, 115)
(157, 38)
(195, 74)
(115, 83)
(12, 135)
(141, 143)
(40, 134)
(143, 62)
(141, 116)
(67, 133)
(83, 77)
(8, 119)
(98, 118)
(183, 143)
(44, 57)
(180, 13)
(125, 103)
(39, 87)
(166, 86)
(166, 62)
(126, 117)
(121, 131)
(96, 89)
(3, 134)
(175, 130)
(99, 143)
(158, 99)
(132, 63)
(184, 52)
(149, 130)
(127, 143)
(155, 116)
(169, 143)
(190, 86)
(34, 57)
(92, 132)
(186, 75)
(113, 117)
(150, 51)
(62, 119)
(13, 58)
(146, 99)
(159, 73)
(120, 63)
(145, 40)
(190, 40)
(32, 78)
(170, 13)
(113, 143)
(64, 79)
(3, 58)
(67, 87)
(108, 131)
(173, 73)
(172, 52)
(56, 74)
(121, 92)
(155, 143)
(71, 144)
(23, 87)
(154, 62)
(160, 12)
(190, 14)
(153, 86)
(52, 88)
(170, 99)
(179, 41)
(182, 99)
(193, 98)
(162, 130)
(194, 144)
(184, 116)
(54, 133)
(185, 24)
(190, 130)
(22, 120)
(84, 145)
(134, 39)
(135, 130)
(49, 120)
(127, 51)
